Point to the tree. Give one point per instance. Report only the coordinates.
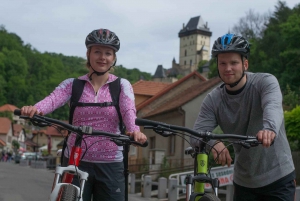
(213, 68)
(27, 75)
(200, 64)
(252, 25)
(15, 144)
(290, 99)
(292, 126)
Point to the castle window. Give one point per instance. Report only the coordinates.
(185, 53)
(184, 62)
(191, 62)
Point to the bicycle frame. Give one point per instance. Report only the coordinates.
(62, 188)
(200, 175)
(200, 155)
(66, 174)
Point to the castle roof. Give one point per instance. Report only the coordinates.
(160, 72)
(195, 25)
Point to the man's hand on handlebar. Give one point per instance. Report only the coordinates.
(138, 136)
(224, 156)
(29, 111)
(266, 137)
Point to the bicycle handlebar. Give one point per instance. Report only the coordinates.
(160, 126)
(87, 130)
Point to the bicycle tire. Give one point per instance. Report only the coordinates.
(209, 197)
(68, 193)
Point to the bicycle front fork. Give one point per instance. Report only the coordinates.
(200, 179)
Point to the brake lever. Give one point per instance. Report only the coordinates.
(124, 141)
(250, 143)
(34, 121)
(40, 124)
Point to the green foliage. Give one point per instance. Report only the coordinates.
(290, 99)
(292, 126)
(15, 144)
(27, 76)
(200, 64)
(213, 68)
(133, 75)
(6, 114)
(164, 167)
(277, 52)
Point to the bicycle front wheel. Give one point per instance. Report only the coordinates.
(209, 197)
(68, 193)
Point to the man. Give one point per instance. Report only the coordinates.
(249, 104)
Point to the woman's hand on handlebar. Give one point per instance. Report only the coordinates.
(222, 154)
(29, 111)
(138, 136)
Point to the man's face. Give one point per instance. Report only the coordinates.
(230, 67)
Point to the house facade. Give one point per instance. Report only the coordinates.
(178, 104)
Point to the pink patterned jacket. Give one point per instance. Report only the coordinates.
(100, 149)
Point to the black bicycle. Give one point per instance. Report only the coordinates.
(200, 155)
(62, 188)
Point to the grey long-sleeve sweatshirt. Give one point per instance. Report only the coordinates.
(257, 107)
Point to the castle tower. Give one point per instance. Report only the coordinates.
(194, 44)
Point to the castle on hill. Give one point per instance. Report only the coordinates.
(194, 48)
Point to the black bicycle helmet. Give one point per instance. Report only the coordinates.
(231, 43)
(103, 37)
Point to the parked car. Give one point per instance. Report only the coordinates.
(31, 156)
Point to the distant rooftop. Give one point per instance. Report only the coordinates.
(7, 107)
(148, 88)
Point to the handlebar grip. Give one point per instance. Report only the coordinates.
(17, 112)
(137, 143)
(144, 122)
(145, 144)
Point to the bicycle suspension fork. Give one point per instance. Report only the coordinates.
(200, 176)
(74, 159)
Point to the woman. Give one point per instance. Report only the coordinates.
(103, 158)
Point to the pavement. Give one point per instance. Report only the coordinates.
(138, 197)
(23, 183)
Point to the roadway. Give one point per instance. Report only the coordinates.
(23, 183)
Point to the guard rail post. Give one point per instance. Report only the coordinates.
(172, 190)
(132, 183)
(162, 188)
(147, 186)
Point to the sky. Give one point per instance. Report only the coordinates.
(148, 29)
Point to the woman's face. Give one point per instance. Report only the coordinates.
(101, 58)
